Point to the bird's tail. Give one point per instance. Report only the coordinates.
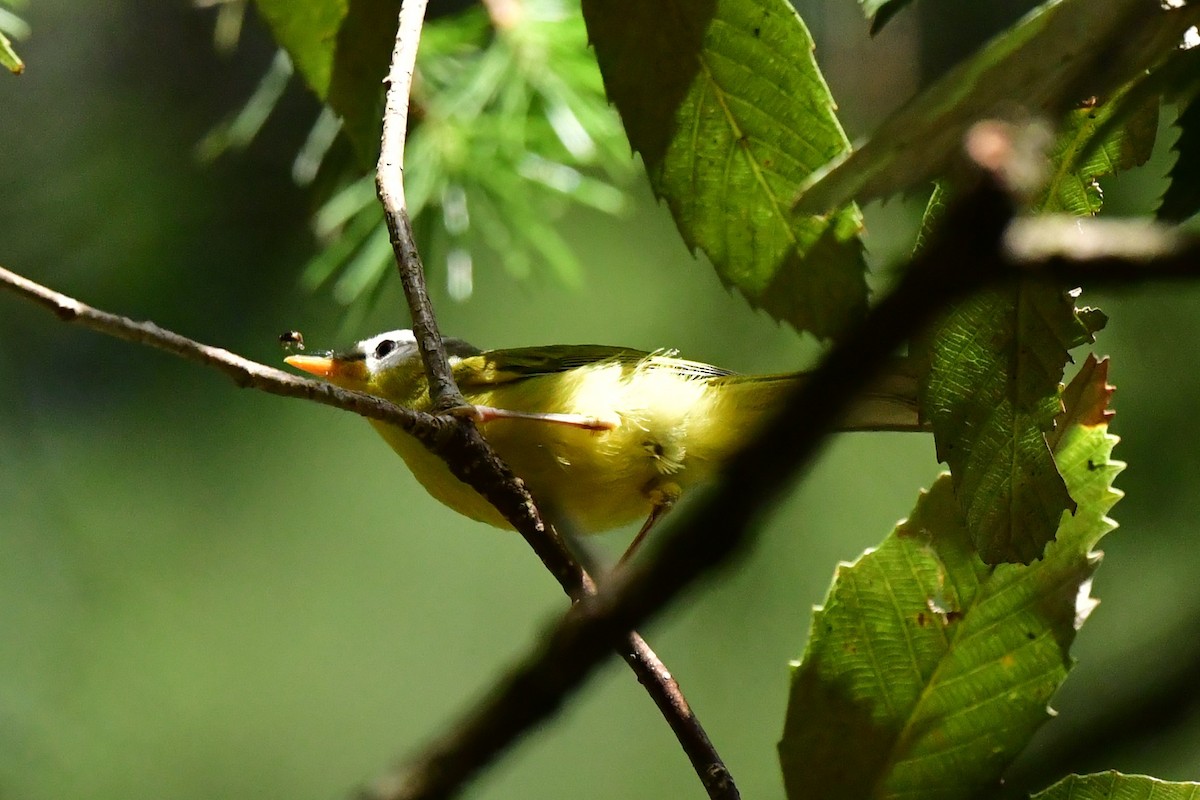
(888, 404)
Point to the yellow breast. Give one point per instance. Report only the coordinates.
(664, 435)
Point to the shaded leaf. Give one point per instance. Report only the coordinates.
(1182, 198)
(880, 11)
(725, 104)
(1064, 51)
(307, 30)
(991, 393)
(341, 48)
(995, 361)
(1115, 786)
(926, 670)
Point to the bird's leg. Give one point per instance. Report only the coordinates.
(663, 499)
(482, 414)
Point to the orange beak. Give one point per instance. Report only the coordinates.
(347, 373)
(321, 366)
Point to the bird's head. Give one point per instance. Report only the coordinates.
(362, 364)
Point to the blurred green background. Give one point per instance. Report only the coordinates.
(207, 592)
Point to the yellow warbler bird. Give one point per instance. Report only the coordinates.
(601, 435)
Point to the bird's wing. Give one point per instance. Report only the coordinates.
(496, 367)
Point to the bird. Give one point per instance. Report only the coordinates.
(603, 436)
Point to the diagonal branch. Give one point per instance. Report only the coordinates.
(975, 247)
(244, 372)
(473, 461)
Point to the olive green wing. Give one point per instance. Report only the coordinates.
(496, 367)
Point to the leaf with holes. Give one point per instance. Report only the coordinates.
(993, 364)
(927, 671)
(726, 105)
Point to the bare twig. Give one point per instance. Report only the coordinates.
(244, 372)
(472, 460)
(389, 184)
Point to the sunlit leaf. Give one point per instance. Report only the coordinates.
(307, 29)
(1063, 52)
(14, 26)
(1115, 786)
(927, 671)
(1079, 161)
(725, 104)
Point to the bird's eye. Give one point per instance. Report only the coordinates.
(385, 348)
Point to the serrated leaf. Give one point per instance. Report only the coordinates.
(341, 49)
(728, 109)
(878, 12)
(1115, 786)
(927, 671)
(1086, 400)
(1064, 51)
(991, 393)
(1182, 198)
(995, 361)
(1080, 160)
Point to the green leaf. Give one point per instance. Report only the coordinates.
(1080, 160)
(993, 363)
(9, 58)
(878, 12)
(307, 30)
(1064, 51)
(1115, 786)
(927, 671)
(724, 101)
(991, 393)
(341, 48)
(1182, 198)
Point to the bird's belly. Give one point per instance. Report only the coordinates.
(596, 480)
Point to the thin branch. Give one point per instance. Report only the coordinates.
(473, 461)
(244, 372)
(389, 184)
